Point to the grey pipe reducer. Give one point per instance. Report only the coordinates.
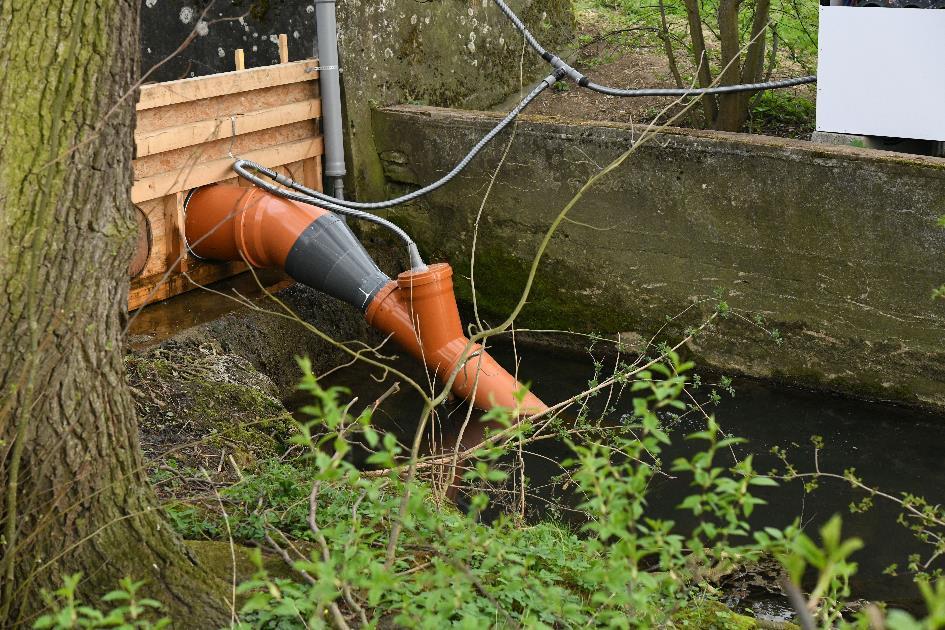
(328, 257)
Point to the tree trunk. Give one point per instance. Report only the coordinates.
(700, 57)
(729, 115)
(75, 495)
(733, 108)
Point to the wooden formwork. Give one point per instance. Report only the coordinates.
(188, 134)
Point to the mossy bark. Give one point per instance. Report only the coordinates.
(75, 497)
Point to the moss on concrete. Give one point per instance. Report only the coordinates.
(218, 557)
(501, 278)
(710, 614)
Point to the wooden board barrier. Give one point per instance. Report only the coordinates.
(187, 135)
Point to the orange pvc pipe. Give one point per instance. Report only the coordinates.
(419, 310)
(224, 222)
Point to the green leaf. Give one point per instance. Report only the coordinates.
(116, 596)
(763, 481)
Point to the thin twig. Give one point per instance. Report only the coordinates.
(798, 603)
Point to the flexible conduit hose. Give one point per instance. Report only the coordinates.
(354, 209)
(721, 89)
(583, 81)
(333, 202)
(247, 170)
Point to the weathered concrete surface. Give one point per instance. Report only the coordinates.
(836, 247)
(450, 53)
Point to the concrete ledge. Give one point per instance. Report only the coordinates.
(837, 247)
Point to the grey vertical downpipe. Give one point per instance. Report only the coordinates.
(326, 26)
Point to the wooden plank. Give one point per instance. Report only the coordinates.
(195, 88)
(283, 48)
(159, 118)
(312, 173)
(239, 59)
(143, 246)
(152, 289)
(201, 174)
(292, 170)
(154, 211)
(175, 251)
(205, 275)
(187, 157)
(224, 127)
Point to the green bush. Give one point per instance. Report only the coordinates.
(368, 547)
(128, 611)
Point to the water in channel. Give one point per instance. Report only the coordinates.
(894, 448)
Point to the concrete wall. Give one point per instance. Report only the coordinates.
(455, 53)
(835, 247)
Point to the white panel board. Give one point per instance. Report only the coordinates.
(881, 72)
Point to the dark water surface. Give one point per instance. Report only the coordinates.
(893, 448)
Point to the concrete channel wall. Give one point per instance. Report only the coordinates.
(837, 248)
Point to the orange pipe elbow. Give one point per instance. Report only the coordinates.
(419, 310)
(231, 223)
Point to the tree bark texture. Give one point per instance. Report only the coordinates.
(74, 493)
(700, 57)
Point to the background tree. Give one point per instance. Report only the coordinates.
(729, 112)
(728, 42)
(75, 496)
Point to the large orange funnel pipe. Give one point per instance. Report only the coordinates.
(226, 222)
